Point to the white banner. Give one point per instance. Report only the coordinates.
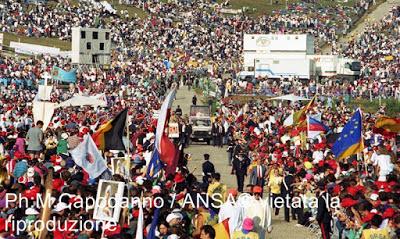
(45, 92)
(231, 11)
(43, 111)
(33, 49)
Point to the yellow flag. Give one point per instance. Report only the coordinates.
(300, 115)
(221, 232)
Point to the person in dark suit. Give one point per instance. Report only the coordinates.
(188, 133)
(230, 150)
(287, 190)
(214, 132)
(258, 175)
(324, 217)
(178, 111)
(194, 100)
(239, 167)
(208, 169)
(220, 135)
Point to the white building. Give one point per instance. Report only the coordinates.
(275, 46)
(91, 46)
(282, 44)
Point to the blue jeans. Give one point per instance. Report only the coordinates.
(339, 225)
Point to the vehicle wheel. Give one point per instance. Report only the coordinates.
(208, 142)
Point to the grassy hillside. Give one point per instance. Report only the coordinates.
(260, 7)
(66, 45)
(132, 11)
(392, 106)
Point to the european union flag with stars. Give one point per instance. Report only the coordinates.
(350, 140)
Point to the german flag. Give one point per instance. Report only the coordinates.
(389, 124)
(109, 135)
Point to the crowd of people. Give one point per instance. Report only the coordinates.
(176, 30)
(163, 51)
(377, 47)
(379, 77)
(290, 165)
(182, 45)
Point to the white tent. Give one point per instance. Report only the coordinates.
(290, 97)
(80, 100)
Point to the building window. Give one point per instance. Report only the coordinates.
(107, 35)
(102, 46)
(95, 35)
(83, 34)
(88, 46)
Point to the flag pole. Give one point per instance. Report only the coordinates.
(361, 154)
(102, 232)
(308, 125)
(45, 214)
(125, 212)
(127, 134)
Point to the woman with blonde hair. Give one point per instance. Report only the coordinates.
(274, 185)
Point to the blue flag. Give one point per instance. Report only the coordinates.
(155, 165)
(350, 140)
(152, 231)
(64, 76)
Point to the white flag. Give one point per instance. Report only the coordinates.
(87, 156)
(162, 118)
(289, 120)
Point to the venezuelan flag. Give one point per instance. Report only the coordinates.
(389, 124)
(109, 135)
(350, 140)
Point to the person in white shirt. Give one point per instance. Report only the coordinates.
(383, 163)
(317, 156)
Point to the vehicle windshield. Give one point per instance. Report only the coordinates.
(355, 66)
(201, 122)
